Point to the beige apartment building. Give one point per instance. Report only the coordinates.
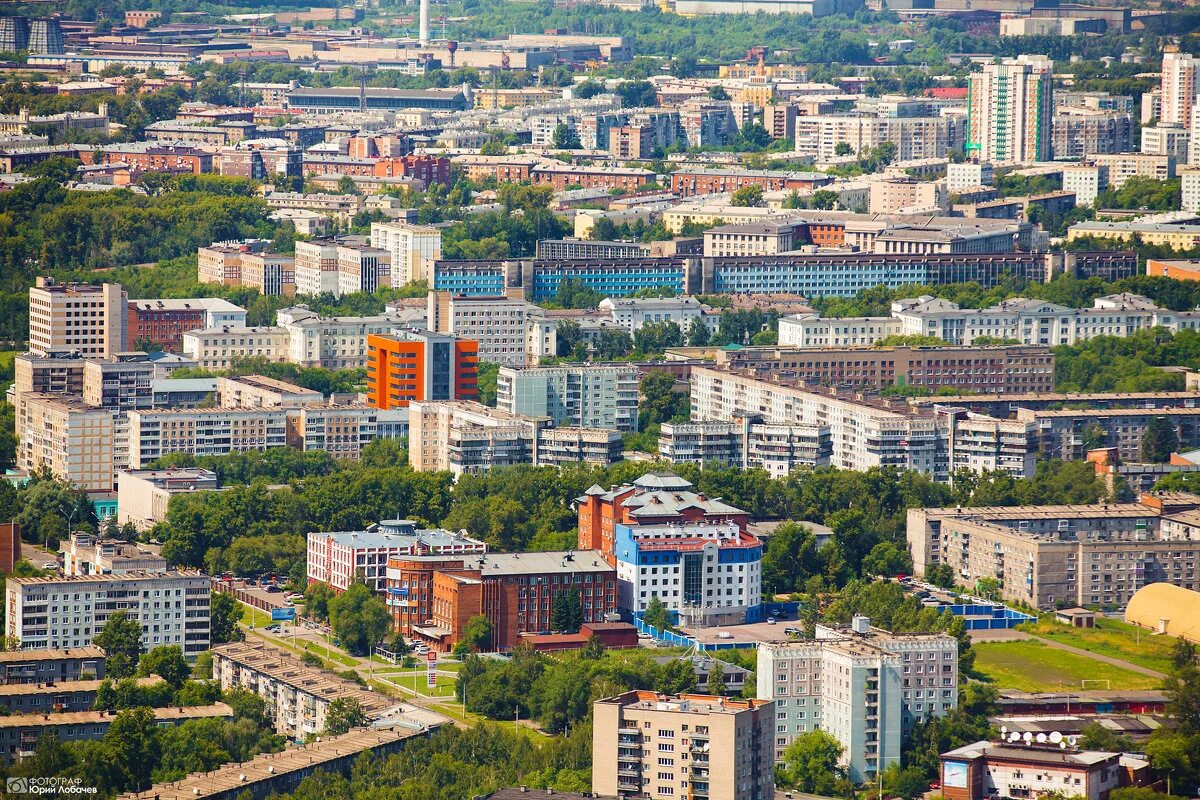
(317, 267)
(693, 746)
(273, 274)
(220, 264)
(73, 440)
(1088, 555)
(413, 249)
(76, 317)
(218, 348)
(899, 195)
(259, 391)
(501, 325)
(143, 495)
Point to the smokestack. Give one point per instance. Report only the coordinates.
(424, 34)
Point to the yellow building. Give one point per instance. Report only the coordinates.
(1177, 237)
(1166, 608)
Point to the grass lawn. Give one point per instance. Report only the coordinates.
(1112, 638)
(455, 711)
(1031, 666)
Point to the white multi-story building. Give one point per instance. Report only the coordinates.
(709, 572)
(330, 342)
(1179, 85)
(317, 267)
(1166, 140)
(1123, 166)
(865, 686)
(1087, 181)
(68, 611)
(204, 432)
(1033, 322)
(77, 316)
(362, 268)
(413, 249)
(218, 348)
(632, 313)
(583, 396)
(967, 175)
(501, 325)
(915, 137)
(338, 558)
(1190, 178)
(1010, 111)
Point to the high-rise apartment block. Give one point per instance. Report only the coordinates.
(692, 746)
(77, 317)
(317, 267)
(582, 396)
(68, 611)
(865, 686)
(1010, 110)
(1179, 85)
(508, 330)
(409, 365)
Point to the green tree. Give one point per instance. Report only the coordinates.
(698, 333)
(747, 197)
(121, 641)
(656, 614)
(717, 92)
(716, 680)
(660, 402)
(477, 634)
(1159, 441)
(907, 783)
(565, 138)
(224, 614)
(940, 574)
(675, 677)
(842, 149)
(1095, 736)
(316, 601)
(132, 747)
(359, 618)
(344, 715)
(810, 763)
(168, 663)
(886, 559)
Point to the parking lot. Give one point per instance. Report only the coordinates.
(742, 634)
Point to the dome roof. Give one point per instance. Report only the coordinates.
(1166, 608)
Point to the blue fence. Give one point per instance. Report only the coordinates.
(672, 639)
(986, 616)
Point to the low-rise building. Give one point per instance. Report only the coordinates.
(58, 697)
(143, 495)
(84, 553)
(161, 323)
(217, 348)
(985, 769)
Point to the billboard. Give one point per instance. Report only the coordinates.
(431, 669)
(954, 774)
(287, 614)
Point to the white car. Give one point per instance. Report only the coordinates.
(50, 565)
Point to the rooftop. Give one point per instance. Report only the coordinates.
(1049, 756)
(137, 575)
(25, 656)
(161, 715)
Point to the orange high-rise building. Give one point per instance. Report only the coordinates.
(418, 365)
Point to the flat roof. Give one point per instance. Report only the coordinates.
(24, 656)
(168, 714)
(136, 575)
(28, 689)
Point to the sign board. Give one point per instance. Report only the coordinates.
(283, 614)
(431, 669)
(954, 774)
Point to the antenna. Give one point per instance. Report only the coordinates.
(1056, 737)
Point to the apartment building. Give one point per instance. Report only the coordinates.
(412, 248)
(747, 442)
(1164, 139)
(362, 268)
(330, 342)
(1086, 181)
(58, 372)
(273, 274)
(62, 697)
(1009, 110)
(20, 733)
(85, 553)
(819, 135)
(755, 238)
(1082, 132)
(204, 432)
(68, 611)
(697, 746)
(218, 348)
(316, 268)
(1175, 237)
(76, 442)
(121, 382)
(259, 391)
(465, 436)
(1031, 322)
(692, 181)
(1179, 86)
(408, 365)
(51, 666)
(632, 313)
(865, 686)
(601, 396)
(143, 495)
(1093, 555)
(338, 558)
(298, 697)
(968, 175)
(1070, 433)
(90, 320)
(1123, 166)
(500, 325)
(907, 195)
(160, 323)
(220, 264)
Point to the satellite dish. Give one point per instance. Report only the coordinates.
(1028, 737)
(1004, 730)
(1041, 738)
(1056, 737)
(1014, 737)
(1071, 740)
(1062, 745)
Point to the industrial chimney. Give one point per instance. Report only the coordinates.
(424, 32)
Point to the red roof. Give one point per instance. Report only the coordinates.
(947, 92)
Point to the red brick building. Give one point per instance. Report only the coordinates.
(653, 499)
(687, 182)
(515, 591)
(10, 546)
(163, 322)
(430, 169)
(560, 176)
(152, 157)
